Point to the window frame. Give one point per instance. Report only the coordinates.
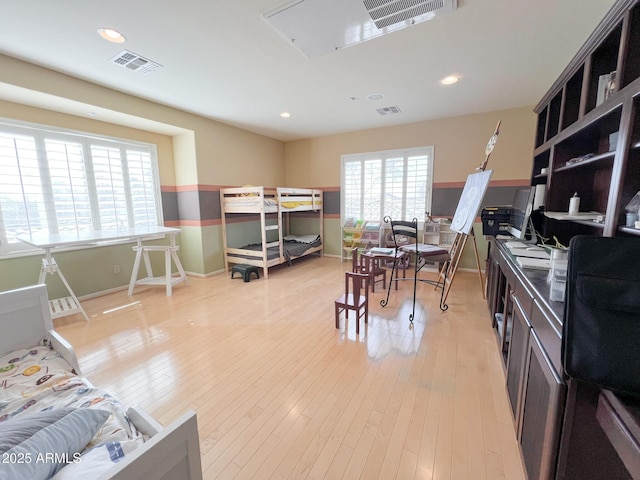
(385, 155)
(40, 133)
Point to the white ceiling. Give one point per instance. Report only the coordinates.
(224, 61)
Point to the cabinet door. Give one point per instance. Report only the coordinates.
(543, 404)
(504, 319)
(516, 363)
(493, 274)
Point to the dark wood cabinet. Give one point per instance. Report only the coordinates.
(543, 406)
(517, 363)
(501, 281)
(619, 418)
(554, 416)
(531, 350)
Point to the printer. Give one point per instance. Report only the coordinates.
(495, 220)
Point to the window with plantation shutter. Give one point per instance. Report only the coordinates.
(396, 183)
(55, 181)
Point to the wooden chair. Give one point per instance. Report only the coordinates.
(355, 298)
(356, 263)
(369, 266)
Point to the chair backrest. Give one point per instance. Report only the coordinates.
(405, 228)
(355, 261)
(357, 284)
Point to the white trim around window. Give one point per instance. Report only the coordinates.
(395, 183)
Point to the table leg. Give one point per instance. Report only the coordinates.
(63, 306)
(176, 260)
(167, 271)
(147, 262)
(134, 272)
(142, 255)
(415, 286)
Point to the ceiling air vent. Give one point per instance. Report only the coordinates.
(388, 110)
(319, 27)
(135, 62)
(389, 12)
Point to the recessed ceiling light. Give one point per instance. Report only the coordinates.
(450, 80)
(375, 96)
(285, 114)
(111, 35)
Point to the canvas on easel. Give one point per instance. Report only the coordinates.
(466, 213)
(470, 201)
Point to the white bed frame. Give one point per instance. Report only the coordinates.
(262, 201)
(171, 453)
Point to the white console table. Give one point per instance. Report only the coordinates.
(69, 305)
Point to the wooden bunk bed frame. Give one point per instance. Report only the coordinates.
(170, 452)
(263, 201)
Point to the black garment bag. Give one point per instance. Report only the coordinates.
(601, 328)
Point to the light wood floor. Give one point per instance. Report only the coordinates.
(281, 393)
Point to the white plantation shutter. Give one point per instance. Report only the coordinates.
(416, 186)
(143, 187)
(110, 187)
(21, 191)
(394, 188)
(372, 193)
(56, 182)
(352, 189)
(396, 183)
(71, 208)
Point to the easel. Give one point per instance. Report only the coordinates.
(448, 271)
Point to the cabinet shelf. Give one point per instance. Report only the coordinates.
(593, 108)
(590, 223)
(589, 162)
(629, 230)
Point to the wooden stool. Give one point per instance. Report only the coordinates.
(245, 270)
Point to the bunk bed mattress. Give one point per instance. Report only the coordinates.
(299, 200)
(292, 247)
(298, 245)
(272, 252)
(300, 205)
(250, 203)
(36, 382)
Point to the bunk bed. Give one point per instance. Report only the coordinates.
(274, 207)
(55, 424)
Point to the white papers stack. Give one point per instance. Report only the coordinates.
(381, 251)
(533, 263)
(531, 252)
(515, 244)
(520, 249)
